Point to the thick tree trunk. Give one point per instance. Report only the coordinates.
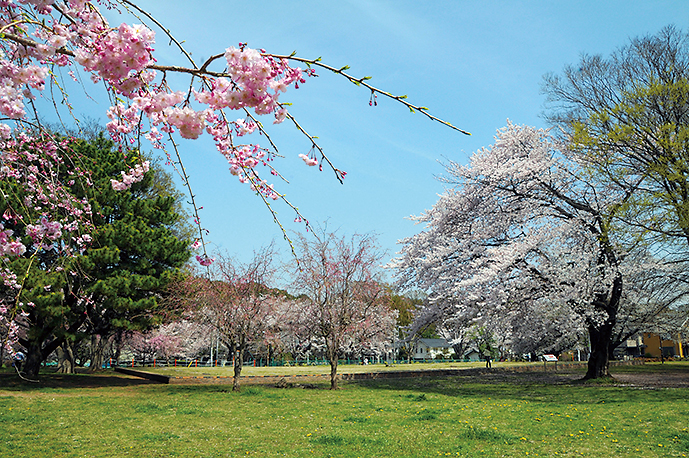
(37, 350)
(65, 359)
(599, 360)
(34, 358)
(601, 335)
(97, 351)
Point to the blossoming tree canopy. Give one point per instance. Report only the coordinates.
(347, 302)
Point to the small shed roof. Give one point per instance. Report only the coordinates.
(435, 343)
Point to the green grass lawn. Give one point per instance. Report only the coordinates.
(228, 371)
(110, 415)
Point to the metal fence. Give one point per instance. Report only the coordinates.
(262, 362)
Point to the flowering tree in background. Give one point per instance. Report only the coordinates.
(45, 43)
(347, 306)
(526, 238)
(237, 302)
(44, 228)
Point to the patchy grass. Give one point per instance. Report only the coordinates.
(470, 416)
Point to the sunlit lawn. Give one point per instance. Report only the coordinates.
(249, 370)
(109, 415)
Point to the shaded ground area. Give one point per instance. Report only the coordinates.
(648, 376)
(10, 380)
(667, 379)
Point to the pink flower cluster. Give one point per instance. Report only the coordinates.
(204, 260)
(134, 176)
(310, 161)
(43, 6)
(189, 122)
(13, 82)
(256, 82)
(8, 245)
(246, 157)
(262, 187)
(120, 56)
(45, 229)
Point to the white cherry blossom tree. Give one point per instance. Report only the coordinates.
(525, 238)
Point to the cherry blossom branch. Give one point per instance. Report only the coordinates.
(339, 174)
(181, 170)
(374, 90)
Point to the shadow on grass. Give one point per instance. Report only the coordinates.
(9, 380)
(561, 387)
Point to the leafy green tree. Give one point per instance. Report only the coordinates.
(124, 271)
(627, 117)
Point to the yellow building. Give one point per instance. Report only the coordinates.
(654, 345)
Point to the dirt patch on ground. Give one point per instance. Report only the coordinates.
(645, 377)
(657, 378)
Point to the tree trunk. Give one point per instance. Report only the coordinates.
(333, 373)
(39, 346)
(599, 360)
(119, 337)
(2, 351)
(332, 358)
(601, 336)
(34, 358)
(238, 363)
(65, 359)
(97, 351)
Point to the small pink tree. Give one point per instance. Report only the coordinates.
(237, 302)
(347, 306)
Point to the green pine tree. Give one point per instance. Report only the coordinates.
(116, 285)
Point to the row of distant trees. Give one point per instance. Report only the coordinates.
(343, 307)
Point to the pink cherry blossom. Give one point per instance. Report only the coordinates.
(310, 161)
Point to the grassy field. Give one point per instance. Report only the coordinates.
(517, 415)
(323, 369)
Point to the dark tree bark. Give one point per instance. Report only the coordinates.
(601, 335)
(332, 350)
(238, 363)
(65, 359)
(40, 345)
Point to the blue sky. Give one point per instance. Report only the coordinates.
(473, 63)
